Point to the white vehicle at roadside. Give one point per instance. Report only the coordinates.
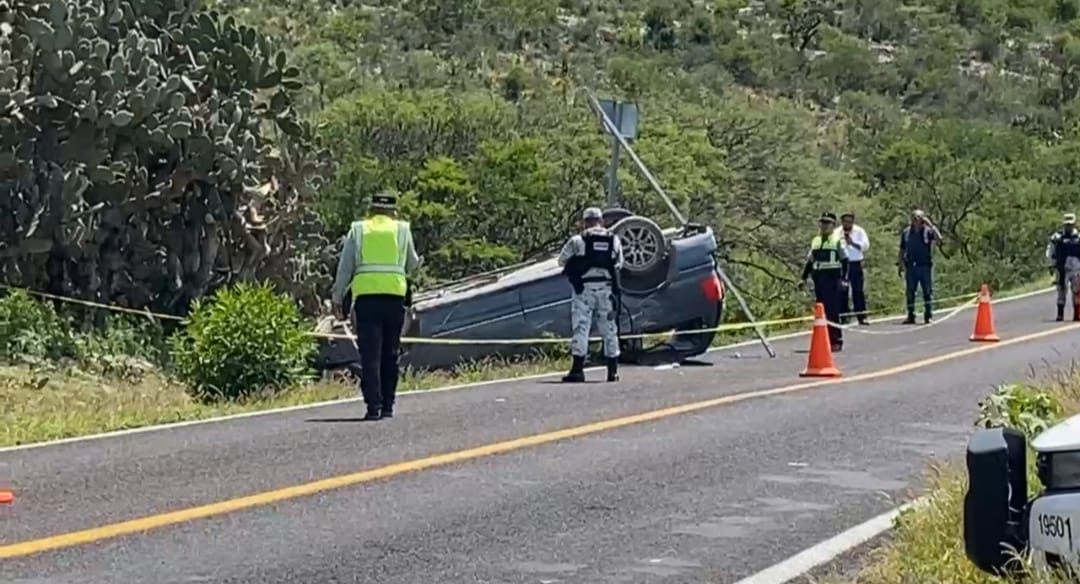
(1000, 522)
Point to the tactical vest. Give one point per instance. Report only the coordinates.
(599, 253)
(825, 253)
(1068, 246)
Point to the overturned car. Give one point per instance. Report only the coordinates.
(669, 283)
(1000, 522)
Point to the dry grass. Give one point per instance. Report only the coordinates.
(37, 405)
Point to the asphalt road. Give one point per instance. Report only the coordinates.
(711, 495)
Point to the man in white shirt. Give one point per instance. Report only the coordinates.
(856, 242)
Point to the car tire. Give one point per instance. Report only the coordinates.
(697, 343)
(645, 248)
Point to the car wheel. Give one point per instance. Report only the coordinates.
(691, 344)
(644, 245)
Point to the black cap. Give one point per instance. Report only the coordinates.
(826, 216)
(384, 201)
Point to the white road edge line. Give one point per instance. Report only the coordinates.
(275, 411)
(828, 550)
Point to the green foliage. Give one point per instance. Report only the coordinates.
(755, 117)
(1028, 409)
(142, 142)
(33, 332)
(246, 340)
(29, 330)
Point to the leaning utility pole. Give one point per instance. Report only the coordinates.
(628, 117)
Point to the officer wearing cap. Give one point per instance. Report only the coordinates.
(591, 261)
(377, 257)
(1063, 251)
(827, 264)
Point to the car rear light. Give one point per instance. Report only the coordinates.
(712, 288)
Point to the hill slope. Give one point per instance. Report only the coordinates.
(756, 116)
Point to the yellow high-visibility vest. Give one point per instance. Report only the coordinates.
(380, 267)
(825, 253)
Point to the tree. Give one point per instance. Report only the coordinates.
(660, 27)
(803, 20)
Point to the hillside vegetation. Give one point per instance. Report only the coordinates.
(757, 116)
(139, 167)
(155, 151)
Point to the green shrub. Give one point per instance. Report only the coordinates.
(245, 340)
(1022, 407)
(30, 331)
(124, 347)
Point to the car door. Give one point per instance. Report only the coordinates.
(487, 312)
(545, 304)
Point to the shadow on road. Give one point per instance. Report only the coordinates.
(338, 420)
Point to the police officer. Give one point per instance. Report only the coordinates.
(591, 261)
(827, 264)
(375, 261)
(1064, 253)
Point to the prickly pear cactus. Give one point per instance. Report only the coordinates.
(149, 151)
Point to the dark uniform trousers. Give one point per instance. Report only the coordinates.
(827, 291)
(858, 291)
(379, 318)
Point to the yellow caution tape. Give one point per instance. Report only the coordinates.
(519, 341)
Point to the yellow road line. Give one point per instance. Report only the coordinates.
(269, 497)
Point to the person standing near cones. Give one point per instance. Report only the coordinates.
(827, 265)
(591, 260)
(1063, 251)
(376, 260)
(916, 262)
(856, 243)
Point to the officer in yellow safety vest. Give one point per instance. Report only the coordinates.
(827, 264)
(376, 259)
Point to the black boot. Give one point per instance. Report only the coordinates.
(388, 411)
(1060, 313)
(373, 414)
(577, 371)
(910, 318)
(612, 369)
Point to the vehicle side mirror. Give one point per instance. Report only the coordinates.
(994, 527)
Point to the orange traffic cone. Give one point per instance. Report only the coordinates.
(820, 361)
(984, 319)
(6, 497)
